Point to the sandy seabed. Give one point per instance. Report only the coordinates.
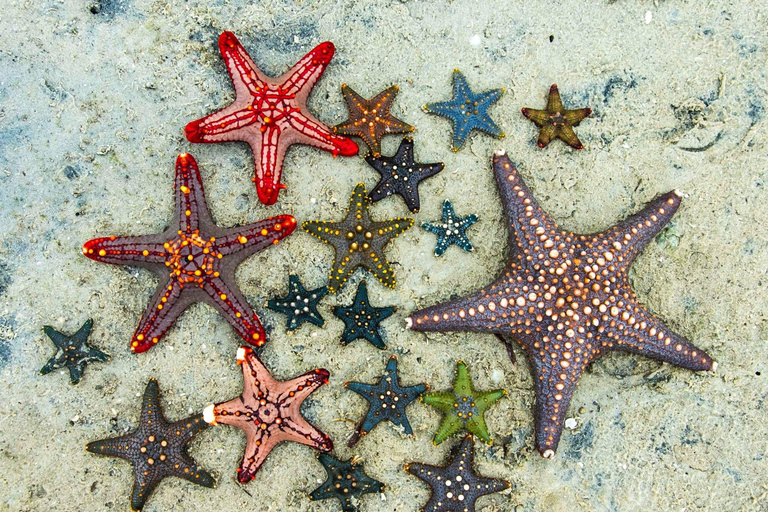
(94, 96)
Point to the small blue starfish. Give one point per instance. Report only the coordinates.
(300, 305)
(74, 352)
(362, 320)
(451, 230)
(467, 110)
(387, 401)
(346, 481)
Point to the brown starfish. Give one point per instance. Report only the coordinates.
(556, 122)
(370, 119)
(194, 259)
(268, 412)
(566, 299)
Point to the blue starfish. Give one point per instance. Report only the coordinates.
(346, 480)
(300, 305)
(387, 401)
(362, 320)
(467, 110)
(451, 230)
(74, 352)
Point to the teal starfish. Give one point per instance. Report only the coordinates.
(463, 407)
(362, 320)
(300, 305)
(73, 352)
(451, 229)
(467, 110)
(346, 480)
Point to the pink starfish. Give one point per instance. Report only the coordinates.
(268, 412)
(270, 114)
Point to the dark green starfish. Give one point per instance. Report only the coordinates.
(359, 241)
(387, 400)
(556, 122)
(451, 229)
(73, 352)
(156, 449)
(361, 320)
(467, 110)
(346, 480)
(300, 305)
(463, 408)
(456, 487)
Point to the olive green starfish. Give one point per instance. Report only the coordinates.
(463, 407)
(556, 122)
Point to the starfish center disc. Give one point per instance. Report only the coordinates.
(192, 258)
(558, 119)
(465, 407)
(267, 414)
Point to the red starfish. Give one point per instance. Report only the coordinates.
(268, 412)
(195, 260)
(270, 114)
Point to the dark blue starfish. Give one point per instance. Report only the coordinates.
(451, 230)
(387, 401)
(300, 305)
(362, 320)
(73, 352)
(346, 479)
(467, 110)
(401, 175)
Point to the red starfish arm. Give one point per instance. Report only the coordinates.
(301, 78)
(258, 445)
(629, 237)
(528, 221)
(141, 251)
(639, 332)
(191, 208)
(222, 126)
(268, 155)
(246, 76)
(257, 381)
(297, 429)
(161, 313)
(314, 133)
(233, 306)
(297, 389)
(250, 239)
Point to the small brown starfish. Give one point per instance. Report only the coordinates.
(566, 299)
(370, 119)
(556, 122)
(268, 412)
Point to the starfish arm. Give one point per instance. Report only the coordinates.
(183, 431)
(411, 393)
(554, 103)
(625, 240)
(258, 445)
(223, 126)
(461, 88)
(143, 486)
(268, 156)
(568, 135)
(60, 340)
(303, 76)
(160, 314)
(246, 77)
(312, 132)
(383, 101)
(186, 429)
(487, 98)
(639, 332)
(443, 401)
(539, 117)
(546, 134)
(120, 446)
(462, 382)
(450, 425)
(151, 414)
(463, 242)
(433, 228)
(189, 470)
(484, 399)
(234, 307)
(362, 389)
(430, 474)
(477, 426)
(574, 117)
(141, 251)
(301, 431)
(53, 363)
(247, 240)
(461, 130)
(191, 207)
(527, 220)
(83, 332)
(443, 108)
(76, 372)
(490, 127)
(299, 388)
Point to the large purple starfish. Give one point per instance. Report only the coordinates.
(566, 299)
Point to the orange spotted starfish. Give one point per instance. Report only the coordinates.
(556, 122)
(268, 412)
(270, 114)
(566, 299)
(195, 261)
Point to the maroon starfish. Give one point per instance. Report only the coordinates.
(268, 412)
(270, 114)
(566, 299)
(195, 260)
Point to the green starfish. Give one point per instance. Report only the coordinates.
(463, 407)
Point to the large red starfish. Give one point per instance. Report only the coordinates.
(195, 260)
(566, 299)
(268, 412)
(270, 114)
